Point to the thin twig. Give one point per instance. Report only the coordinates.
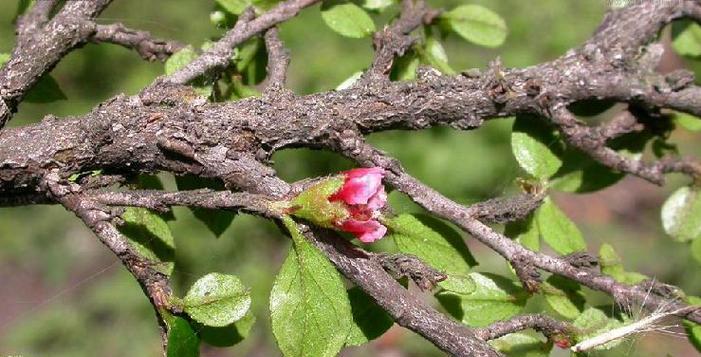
(146, 46)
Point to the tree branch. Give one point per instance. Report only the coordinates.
(146, 46)
(551, 328)
(278, 60)
(218, 56)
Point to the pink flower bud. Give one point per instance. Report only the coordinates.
(363, 195)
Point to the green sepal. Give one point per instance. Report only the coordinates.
(313, 203)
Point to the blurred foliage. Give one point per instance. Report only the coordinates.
(63, 295)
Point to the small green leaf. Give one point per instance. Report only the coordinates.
(150, 236)
(494, 298)
(180, 59)
(686, 38)
(681, 214)
(525, 232)
(347, 18)
(564, 296)
(45, 91)
(557, 230)
(612, 266)
(182, 338)
(348, 82)
(216, 220)
(310, 312)
(687, 121)
(369, 320)
(593, 322)
(405, 67)
(217, 300)
(433, 54)
(235, 7)
(228, 335)
(693, 330)
(533, 144)
(522, 345)
(376, 5)
(436, 244)
(477, 24)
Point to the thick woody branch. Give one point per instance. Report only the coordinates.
(218, 56)
(146, 46)
(39, 50)
(204, 198)
(548, 326)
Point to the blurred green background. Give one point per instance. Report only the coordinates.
(63, 294)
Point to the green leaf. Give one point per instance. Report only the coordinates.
(686, 38)
(4, 57)
(494, 298)
(564, 296)
(235, 7)
(433, 54)
(557, 230)
(477, 24)
(348, 82)
(687, 121)
(216, 220)
(405, 67)
(593, 322)
(533, 143)
(611, 265)
(182, 338)
(376, 5)
(180, 59)
(227, 335)
(436, 244)
(522, 345)
(310, 312)
(693, 330)
(681, 214)
(150, 236)
(45, 91)
(217, 300)
(347, 18)
(369, 320)
(525, 232)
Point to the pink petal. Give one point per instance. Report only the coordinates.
(378, 200)
(360, 185)
(366, 231)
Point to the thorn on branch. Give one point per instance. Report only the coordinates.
(582, 260)
(507, 209)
